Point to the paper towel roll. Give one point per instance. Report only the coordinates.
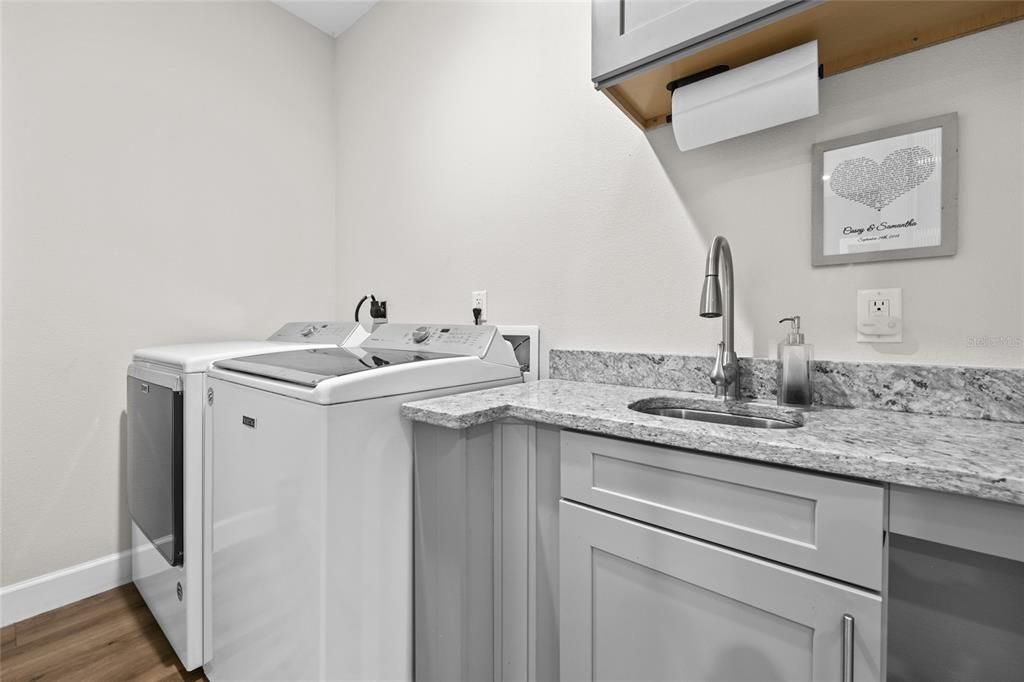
(759, 95)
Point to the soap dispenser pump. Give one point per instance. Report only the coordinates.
(796, 364)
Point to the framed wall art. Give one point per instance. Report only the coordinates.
(889, 194)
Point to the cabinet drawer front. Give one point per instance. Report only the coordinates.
(639, 602)
(820, 523)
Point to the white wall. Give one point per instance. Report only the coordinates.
(474, 153)
(168, 176)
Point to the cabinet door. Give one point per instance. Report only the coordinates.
(627, 33)
(642, 603)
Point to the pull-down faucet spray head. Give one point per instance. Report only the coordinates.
(711, 293)
(711, 297)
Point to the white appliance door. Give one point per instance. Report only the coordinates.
(155, 450)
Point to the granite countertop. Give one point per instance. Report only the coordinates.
(975, 457)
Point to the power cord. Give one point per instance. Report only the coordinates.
(378, 309)
(477, 312)
(362, 301)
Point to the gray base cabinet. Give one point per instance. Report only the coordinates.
(485, 553)
(453, 558)
(643, 603)
(545, 554)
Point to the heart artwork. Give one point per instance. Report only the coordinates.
(876, 184)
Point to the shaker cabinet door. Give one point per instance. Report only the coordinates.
(642, 603)
(628, 33)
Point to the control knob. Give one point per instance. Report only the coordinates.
(420, 334)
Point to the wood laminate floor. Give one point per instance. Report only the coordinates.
(111, 636)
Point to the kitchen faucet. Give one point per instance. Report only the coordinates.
(726, 373)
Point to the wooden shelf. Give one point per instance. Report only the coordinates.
(850, 34)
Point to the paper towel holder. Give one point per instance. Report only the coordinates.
(694, 77)
(672, 86)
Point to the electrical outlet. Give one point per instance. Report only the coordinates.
(880, 316)
(479, 300)
(878, 306)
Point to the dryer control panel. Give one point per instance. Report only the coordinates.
(317, 332)
(454, 339)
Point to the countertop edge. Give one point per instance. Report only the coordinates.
(883, 471)
(424, 415)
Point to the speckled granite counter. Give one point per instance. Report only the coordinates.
(973, 457)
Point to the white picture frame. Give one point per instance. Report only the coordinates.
(890, 194)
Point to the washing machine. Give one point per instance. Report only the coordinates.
(312, 504)
(167, 472)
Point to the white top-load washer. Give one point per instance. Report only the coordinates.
(312, 499)
(167, 471)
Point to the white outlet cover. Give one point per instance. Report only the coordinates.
(478, 299)
(869, 301)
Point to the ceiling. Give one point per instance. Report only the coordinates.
(333, 17)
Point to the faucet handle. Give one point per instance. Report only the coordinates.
(724, 374)
(720, 355)
(718, 376)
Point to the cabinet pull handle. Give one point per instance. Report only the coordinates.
(847, 648)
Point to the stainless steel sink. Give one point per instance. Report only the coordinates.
(714, 417)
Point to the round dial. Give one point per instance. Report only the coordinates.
(420, 334)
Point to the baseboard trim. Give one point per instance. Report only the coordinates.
(53, 590)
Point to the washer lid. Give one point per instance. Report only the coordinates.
(196, 357)
(309, 367)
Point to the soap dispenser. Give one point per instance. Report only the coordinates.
(796, 363)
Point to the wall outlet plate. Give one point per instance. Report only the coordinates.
(880, 316)
(479, 300)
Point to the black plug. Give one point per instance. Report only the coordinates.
(477, 312)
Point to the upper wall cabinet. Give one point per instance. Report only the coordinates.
(630, 33)
(639, 46)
